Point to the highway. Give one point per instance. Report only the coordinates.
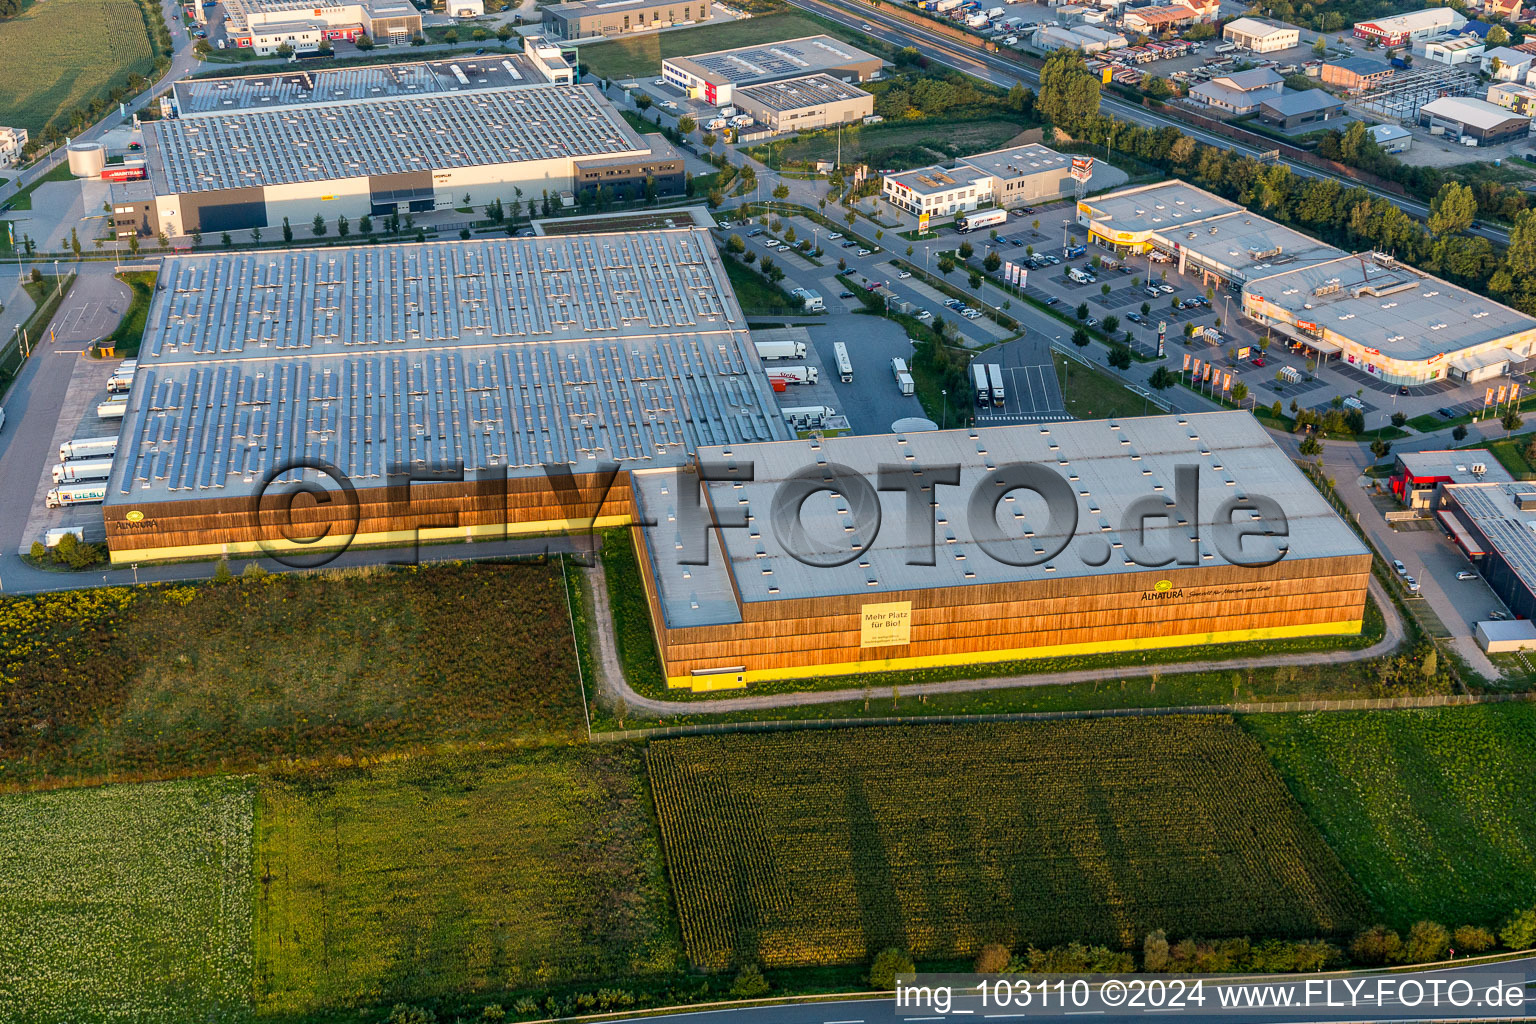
(1356, 998)
(1003, 72)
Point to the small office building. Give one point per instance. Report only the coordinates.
(1003, 177)
(1417, 475)
(1391, 138)
(1515, 97)
(1240, 92)
(1294, 109)
(804, 104)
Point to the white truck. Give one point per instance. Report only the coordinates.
(975, 20)
(982, 219)
(794, 374)
(770, 350)
(741, 121)
(995, 12)
(113, 408)
(88, 448)
(995, 378)
(808, 417)
(82, 469)
(814, 303)
(904, 380)
(122, 378)
(728, 111)
(52, 537)
(982, 383)
(844, 364)
(77, 494)
(714, 124)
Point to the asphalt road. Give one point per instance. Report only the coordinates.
(1366, 998)
(1001, 71)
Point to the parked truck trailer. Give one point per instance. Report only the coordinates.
(65, 495)
(88, 448)
(844, 364)
(995, 378)
(982, 219)
(82, 469)
(780, 349)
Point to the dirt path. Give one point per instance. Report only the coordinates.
(614, 687)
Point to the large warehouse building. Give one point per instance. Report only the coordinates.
(264, 25)
(804, 104)
(1379, 315)
(1003, 177)
(715, 77)
(835, 581)
(532, 367)
(587, 19)
(248, 152)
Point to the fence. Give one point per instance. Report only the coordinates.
(1262, 708)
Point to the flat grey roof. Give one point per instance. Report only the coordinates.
(1363, 66)
(1302, 101)
(1457, 465)
(806, 91)
(199, 96)
(1251, 244)
(935, 180)
(1019, 161)
(1107, 463)
(1160, 207)
(579, 8)
(762, 62)
(326, 141)
(506, 354)
(1404, 313)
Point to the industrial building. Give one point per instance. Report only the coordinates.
(804, 104)
(843, 580)
(1473, 121)
(12, 142)
(1297, 108)
(1355, 74)
(1083, 38)
(1406, 28)
(1391, 138)
(1154, 21)
(586, 19)
(715, 77)
(1367, 309)
(1240, 92)
(1001, 177)
(1453, 50)
(1416, 476)
(515, 376)
(1260, 36)
(1490, 521)
(249, 152)
(265, 25)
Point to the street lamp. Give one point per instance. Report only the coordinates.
(55, 278)
(944, 416)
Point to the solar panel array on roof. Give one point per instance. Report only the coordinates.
(198, 96)
(503, 354)
(349, 139)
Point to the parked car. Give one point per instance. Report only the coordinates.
(835, 235)
(1399, 568)
(863, 252)
(924, 314)
(849, 244)
(1412, 584)
(1258, 360)
(1016, 242)
(1166, 289)
(904, 274)
(1092, 321)
(845, 295)
(1443, 411)
(1466, 574)
(1053, 300)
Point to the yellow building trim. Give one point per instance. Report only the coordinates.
(390, 538)
(736, 680)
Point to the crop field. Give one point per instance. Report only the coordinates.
(174, 680)
(640, 56)
(458, 875)
(62, 53)
(1433, 811)
(819, 847)
(127, 903)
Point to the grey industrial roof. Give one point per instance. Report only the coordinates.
(197, 96)
(795, 93)
(1456, 465)
(1301, 101)
(1107, 464)
(1019, 161)
(578, 8)
(1510, 532)
(1385, 305)
(1465, 110)
(1252, 244)
(765, 61)
(503, 353)
(401, 134)
(1256, 78)
(1160, 207)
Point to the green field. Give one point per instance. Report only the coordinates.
(1433, 812)
(897, 145)
(61, 54)
(126, 903)
(167, 681)
(455, 876)
(1092, 394)
(821, 847)
(641, 56)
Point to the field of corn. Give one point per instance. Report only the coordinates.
(126, 903)
(1433, 811)
(820, 847)
(176, 680)
(63, 53)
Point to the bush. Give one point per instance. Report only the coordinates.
(1519, 932)
(402, 1014)
(749, 983)
(1154, 952)
(993, 958)
(887, 965)
(1469, 938)
(1427, 942)
(1377, 945)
